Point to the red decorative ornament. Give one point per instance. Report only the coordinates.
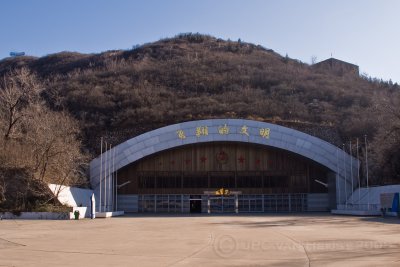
(222, 157)
(241, 159)
(258, 161)
(203, 159)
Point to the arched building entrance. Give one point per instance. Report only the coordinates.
(223, 166)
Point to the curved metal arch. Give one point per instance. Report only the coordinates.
(228, 130)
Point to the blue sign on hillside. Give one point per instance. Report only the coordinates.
(17, 54)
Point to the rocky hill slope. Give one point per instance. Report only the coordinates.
(120, 94)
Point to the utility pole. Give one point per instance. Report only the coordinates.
(351, 173)
(337, 174)
(105, 177)
(101, 169)
(345, 177)
(366, 166)
(358, 177)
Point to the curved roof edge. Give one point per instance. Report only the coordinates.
(228, 130)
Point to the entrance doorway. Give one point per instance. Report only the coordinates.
(195, 204)
(222, 204)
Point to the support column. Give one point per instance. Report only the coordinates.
(236, 204)
(208, 205)
(263, 205)
(155, 203)
(222, 202)
(182, 203)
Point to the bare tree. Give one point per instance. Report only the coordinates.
(56, 154)
(386, 143)
(18, 89)
(36, 137)
(313, 60)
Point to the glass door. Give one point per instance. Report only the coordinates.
(220, 204)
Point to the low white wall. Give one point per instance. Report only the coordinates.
(73, 197)
(36, 215)
(361, 197)
(109, 214)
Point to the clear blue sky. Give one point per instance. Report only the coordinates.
(363, 32)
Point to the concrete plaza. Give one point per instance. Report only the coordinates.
(237, 240)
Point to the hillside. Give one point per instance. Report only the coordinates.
(120, 94)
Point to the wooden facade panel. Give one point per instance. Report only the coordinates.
(222, 157)
(195, 168)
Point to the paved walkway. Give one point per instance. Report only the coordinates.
(260, 240)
